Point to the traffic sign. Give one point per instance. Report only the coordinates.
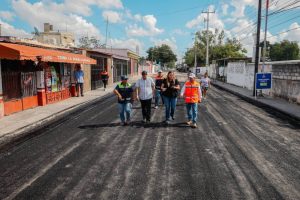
(263, 81)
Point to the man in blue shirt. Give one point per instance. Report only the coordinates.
(124, 93)
(79, 79)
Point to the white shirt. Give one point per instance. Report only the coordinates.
(146, 91)
(205, 82)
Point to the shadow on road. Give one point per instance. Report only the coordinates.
(136, 124)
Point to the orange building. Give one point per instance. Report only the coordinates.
(33, 76)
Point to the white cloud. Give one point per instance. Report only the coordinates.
(214, 21)
(240, 6)
(225, 9)
(112, 16)
(127, 44)
(293, 35)
(180, 32)
(83, 7)
(170, 42)
(7, 15)
(37, 14)
(9, 30)
(150, 29)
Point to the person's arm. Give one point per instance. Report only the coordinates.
(117, 93)
(153, 87)
(199, 94)
(137, 89)
(182, 91)
(177, 86)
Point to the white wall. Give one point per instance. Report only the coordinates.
(241, 74)
(235, 73)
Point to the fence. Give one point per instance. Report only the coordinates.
(17, 85)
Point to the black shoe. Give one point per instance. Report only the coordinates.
(82, 95)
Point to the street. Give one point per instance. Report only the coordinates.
(238, 151)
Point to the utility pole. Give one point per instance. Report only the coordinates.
(207, 36)
(265, 40)
(195, 52)
(257, 45)
(106, 32)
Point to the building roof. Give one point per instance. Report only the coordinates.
(22, 52)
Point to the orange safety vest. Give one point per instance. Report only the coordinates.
(191, 92)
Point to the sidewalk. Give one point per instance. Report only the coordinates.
(15, 125)
(282, 106)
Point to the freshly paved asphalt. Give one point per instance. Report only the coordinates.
(238, 151)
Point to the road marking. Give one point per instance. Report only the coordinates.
(44, 170)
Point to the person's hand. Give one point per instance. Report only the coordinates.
(181, 96)
(199, 101)
(137, 98)
(120, 98)
(164, 89)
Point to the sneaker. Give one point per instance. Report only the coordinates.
(155, 107)
(194, 125)
(173, 118)
(148, 122)
(144, 120)
(127, 122)
(189, 123)
(167, 122)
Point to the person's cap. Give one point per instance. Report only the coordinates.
(123, 78)
(159, 71)
(144, 72)
(192, 75)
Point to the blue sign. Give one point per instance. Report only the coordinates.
(263, 81)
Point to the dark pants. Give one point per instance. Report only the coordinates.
(104, 83)
(146, 109)
(81, 88)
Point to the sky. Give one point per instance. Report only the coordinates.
(147, 23)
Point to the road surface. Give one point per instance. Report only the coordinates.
(238, 151)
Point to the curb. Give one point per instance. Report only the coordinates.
(22, 134)
(31, 130)
(295, 119)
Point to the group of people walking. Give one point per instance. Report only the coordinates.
(162, 89)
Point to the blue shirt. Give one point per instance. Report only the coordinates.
(79, 74)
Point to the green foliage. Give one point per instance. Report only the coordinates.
(162, 54)
(89, 42)
(218, 48)
(285, 50)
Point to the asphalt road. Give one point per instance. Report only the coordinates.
(238, 151)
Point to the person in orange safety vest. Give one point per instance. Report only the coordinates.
(191, 92)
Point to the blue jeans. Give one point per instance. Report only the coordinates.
(192, 111)
(157, 96)
(170, 105)
(125, 108)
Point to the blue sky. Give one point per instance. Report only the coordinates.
(146, 23)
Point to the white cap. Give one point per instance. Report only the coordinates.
(192, 75)
(159, 71)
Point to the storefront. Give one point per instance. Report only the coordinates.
(103, 62)
(120, 67)
(32, 76)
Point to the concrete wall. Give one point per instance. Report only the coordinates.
(286, 81)
(87, 77)
(212, 71)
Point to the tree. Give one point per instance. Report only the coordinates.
(89, 42)
(218, 48)
(284, 50)
(162, 54)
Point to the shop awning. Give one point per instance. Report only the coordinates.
(22, 52)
